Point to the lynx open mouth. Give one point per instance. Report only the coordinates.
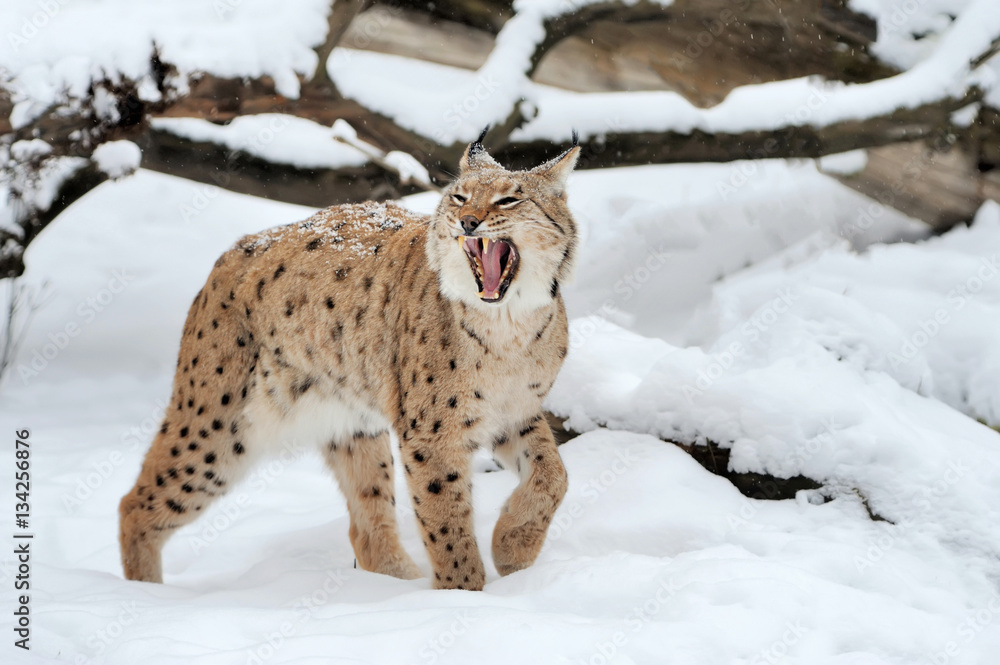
(494, 265)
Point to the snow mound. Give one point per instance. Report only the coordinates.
(117, 158)
(865, 371)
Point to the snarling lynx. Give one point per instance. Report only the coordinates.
(366, 319)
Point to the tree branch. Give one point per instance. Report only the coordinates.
(72, 189)
(793, 141)
(244, 173)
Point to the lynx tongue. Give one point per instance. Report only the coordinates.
(492, 270)
(492, 259)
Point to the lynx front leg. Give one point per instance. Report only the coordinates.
(363, 467)
(441, 486)
(525, 518)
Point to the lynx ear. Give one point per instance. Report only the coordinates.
(476, 157)
(557, 170)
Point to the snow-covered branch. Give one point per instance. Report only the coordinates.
(36, 186)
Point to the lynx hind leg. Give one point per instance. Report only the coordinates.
(200, 449)
(363, 468)
(183, 473)
(524, 520)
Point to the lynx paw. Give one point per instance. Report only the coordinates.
(515, 546)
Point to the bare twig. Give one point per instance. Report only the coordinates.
(409, 170)
(981, 59)
(22, 304)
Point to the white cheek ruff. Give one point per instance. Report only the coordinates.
(530, 289)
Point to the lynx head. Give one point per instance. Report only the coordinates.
(504, 239)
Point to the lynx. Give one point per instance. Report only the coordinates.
(369, 319)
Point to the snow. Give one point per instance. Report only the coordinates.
(910, 32)
(23, 151)
(274, 137)
(650, 558)
(758, 305)
(342, 131)
(845, 163)
(907, 33)
(117, 158)
(891, 335)
(706, 221)
(964, 117)
(408, 168)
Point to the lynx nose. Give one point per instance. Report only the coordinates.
(469, 223)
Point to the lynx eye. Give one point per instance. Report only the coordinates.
(458, 198)
(506, 201)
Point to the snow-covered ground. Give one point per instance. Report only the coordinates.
(712, 301)
(749, 304)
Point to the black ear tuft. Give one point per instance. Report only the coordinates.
(476, 157)
(576, 138)
(477, 145)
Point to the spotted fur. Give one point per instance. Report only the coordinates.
(365, 320)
